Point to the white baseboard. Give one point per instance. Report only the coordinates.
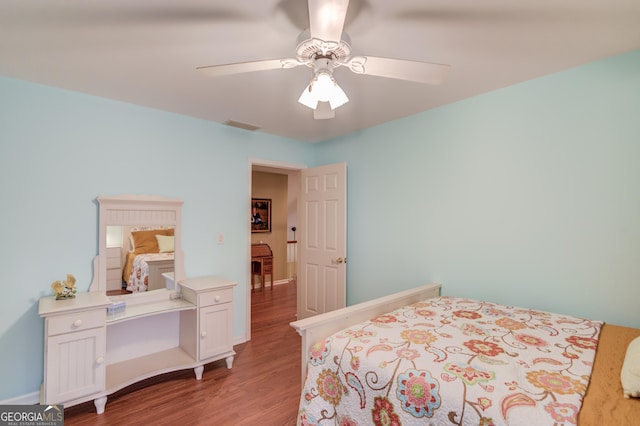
(240, 340)
(279, 282)
(28, 399)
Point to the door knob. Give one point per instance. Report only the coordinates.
(341, 260)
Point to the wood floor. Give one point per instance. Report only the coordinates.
(262, 388)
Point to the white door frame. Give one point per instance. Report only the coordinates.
(264, 163)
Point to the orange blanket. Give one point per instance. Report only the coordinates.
(128, 267)
(603, 403)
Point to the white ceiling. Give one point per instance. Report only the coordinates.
(145, 52)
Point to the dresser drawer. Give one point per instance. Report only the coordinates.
(113, 263)
(216, 297)
(114, 274)
(76, 322)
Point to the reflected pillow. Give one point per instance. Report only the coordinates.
(165, 243)
(145, 241)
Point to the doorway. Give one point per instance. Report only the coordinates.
(280, 183)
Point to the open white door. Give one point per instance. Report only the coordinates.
(322, 270)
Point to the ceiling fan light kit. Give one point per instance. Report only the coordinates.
(323, 87)
(323, 47)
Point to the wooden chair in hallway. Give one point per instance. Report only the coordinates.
(261, 264)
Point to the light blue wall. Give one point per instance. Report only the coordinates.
(528, 195)
(59, 150)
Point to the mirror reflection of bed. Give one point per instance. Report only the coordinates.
(139, 259)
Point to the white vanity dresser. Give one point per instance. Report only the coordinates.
(90, 353)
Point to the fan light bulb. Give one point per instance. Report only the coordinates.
(323, 88)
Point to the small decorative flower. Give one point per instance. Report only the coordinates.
(528, 339)
(383, 414)
(484, 403)
(306, 419)
(467, 314)
(70, 282)
(555, 382)
(510, 324)
(319, 351)
(485, 421)
(419, 393)
(583, 342)
(484, 348)
(419, 337)
(562, 412)
(472, 330)
(471, 375)
(385, 319)
(408, 354)
(57, 287)
(427, 313)
(330, 387)
(66, 289)
(346, 421)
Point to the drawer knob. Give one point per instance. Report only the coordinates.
(77, 323)
(203, 334)
(217, 298)
(99, 360)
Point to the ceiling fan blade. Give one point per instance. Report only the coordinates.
(326, 19)
(242, 67)
(421, 72)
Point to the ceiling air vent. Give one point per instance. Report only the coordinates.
(240, 125)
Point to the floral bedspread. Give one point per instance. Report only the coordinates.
(452, 361)
(139, 278)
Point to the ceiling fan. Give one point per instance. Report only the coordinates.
(323, 47)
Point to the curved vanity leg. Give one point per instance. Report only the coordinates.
(198, 370)
(229, 360)
(100, 404)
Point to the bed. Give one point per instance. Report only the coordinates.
(147, 269)
(418, 358)
(151, 254)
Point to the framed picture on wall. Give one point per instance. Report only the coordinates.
(260, 215)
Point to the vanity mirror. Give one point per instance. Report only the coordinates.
(139, 248)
